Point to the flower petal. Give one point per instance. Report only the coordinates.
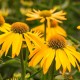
(28, 42)
(70, 57)
(38, 56)
(15, 44)
(38, 41)
(58, 63)
(49, 60)
(74, 53)
(64, 59)
(4, 36)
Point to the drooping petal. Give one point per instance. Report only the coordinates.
(37, 57)
(6, 44)
(16, 44)
(60, 31)
(4, 36)
(19, 45)
(74, 53)
(45, 57)
(58, 63)
(70, 57)
(28, 42)
(49, 60)
(9, 42)
(63, 58)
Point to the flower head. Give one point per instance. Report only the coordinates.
(55, 49)
(17, 35)
(19, 27)
(4, 27)
(57, 42)
(54, 29)
(47, 15)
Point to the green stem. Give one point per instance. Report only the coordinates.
(45, 77)
(51, 3)
(74, 40)
(51, 71)
(34, 74)
(50, 74)
(45, 25)
(22, 65)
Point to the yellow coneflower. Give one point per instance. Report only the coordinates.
(4, 27)
(55, 49)
(55, 28)
(16, 37)
(47, 15)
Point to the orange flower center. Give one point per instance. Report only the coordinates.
(45, 13)
(2, 21)
(57, 42)
(19, 27)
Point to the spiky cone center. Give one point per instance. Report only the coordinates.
(57, 42)
(19, 27)
(2, 21)
(45, 13)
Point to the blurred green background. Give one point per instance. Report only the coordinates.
(15, 10)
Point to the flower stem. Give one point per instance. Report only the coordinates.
(51, 71)
(22, 66)
(45, 25)
(73, 39)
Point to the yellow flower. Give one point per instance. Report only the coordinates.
(78, 27)
(24, 10)
(55, 49)
(17, 36)
(4, 12)
(4, 27)
(39, 30)
(54, 29)
(47, 15)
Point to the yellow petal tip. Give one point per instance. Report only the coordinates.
(78, 27)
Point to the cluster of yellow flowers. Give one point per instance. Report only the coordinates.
(53, 48)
